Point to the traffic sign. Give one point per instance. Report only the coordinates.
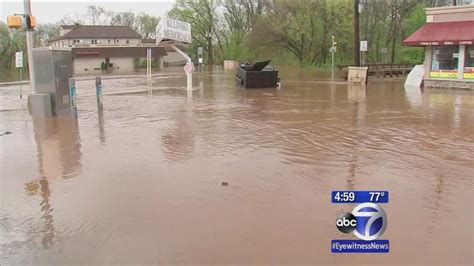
(189, 68)
(363, 46)
(19, 59)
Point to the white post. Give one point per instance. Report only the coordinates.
(462, 55)
(428, 61)
(29, 47)
(148, 71)
(332, 67)
(332, 50)
(189, 76)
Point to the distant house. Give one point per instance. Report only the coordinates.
(95, 36)
(117, 49)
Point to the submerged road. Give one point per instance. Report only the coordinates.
(141, 182)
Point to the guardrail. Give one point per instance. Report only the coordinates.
(383, 70)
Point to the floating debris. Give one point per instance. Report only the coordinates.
(5, 133)
(225, 183)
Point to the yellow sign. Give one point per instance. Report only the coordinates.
(14, 22)
(469, 75)
(450, 75)
(446, 75)
(32, 22)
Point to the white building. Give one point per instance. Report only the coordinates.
(113, 49)
(95, 36)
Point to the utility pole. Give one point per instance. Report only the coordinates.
(356, 34)
(29, 47)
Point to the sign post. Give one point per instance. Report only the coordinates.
(332, 50)
(200, 52)
(148, 70)
(98, 91)
(72, 91)
(19, 64)
(177, 31)
(363, 48)
(384, 52)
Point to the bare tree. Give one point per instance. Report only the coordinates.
(95, 14)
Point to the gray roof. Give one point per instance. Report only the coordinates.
(88, 31)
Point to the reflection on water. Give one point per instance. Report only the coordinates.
(356, 92)
(58, 156)
(42, 188)
(146, 170)
(178, 142)
(414, 95)
(58, 147)
(101, 122)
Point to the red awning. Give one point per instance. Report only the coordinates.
(443, 33)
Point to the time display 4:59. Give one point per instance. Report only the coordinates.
(359, 196)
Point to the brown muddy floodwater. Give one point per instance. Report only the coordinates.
(141, 181)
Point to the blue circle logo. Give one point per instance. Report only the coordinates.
(371, 221)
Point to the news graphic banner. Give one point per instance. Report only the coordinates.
(366, 222)
(359, 196)
(174, 30)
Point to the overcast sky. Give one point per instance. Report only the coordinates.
(52, 11)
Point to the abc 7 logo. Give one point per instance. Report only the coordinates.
(368, 221)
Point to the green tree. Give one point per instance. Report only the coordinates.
(146, 25)
(11, 41)
(204, 21)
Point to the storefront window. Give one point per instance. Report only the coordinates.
(444, 62)
(469, 62)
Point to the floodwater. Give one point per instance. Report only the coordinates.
(140, 181)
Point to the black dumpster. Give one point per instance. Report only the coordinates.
(258, 75)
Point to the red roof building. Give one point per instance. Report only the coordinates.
(448, 38)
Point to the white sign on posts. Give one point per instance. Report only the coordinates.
(173, 29)
(363, 46)
(19, 59)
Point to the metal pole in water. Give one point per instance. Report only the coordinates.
(148, 68)
(332, 68)
(333, 51)
(72, 91)
(147, 71)
(98, 90)
(21, 81)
